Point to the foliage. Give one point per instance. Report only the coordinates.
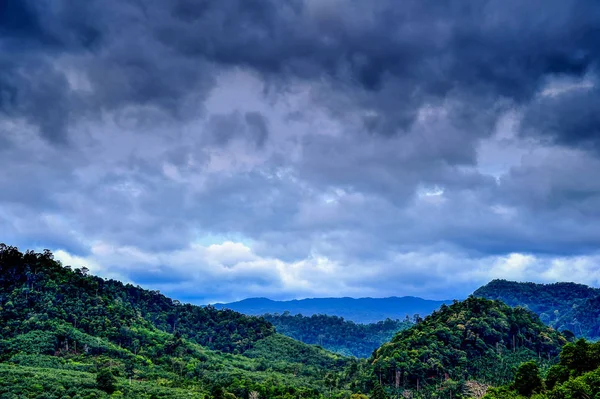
(527, 379)
(583, 319)
(564, 306)
(577, 376)
(475, 339)
(378, 392)
(336, 334)
(66, 334)
(105, 380)
(34, 283)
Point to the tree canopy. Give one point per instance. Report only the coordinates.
(336, 334)
(68, 334)
(564, 306)
(476, 339)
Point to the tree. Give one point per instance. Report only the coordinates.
(105, 380)
(575, 356)
(527, 379)
(129, 369)
(217, 392)
(378, 392)
(557, 374)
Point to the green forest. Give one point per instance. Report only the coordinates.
(68, 334)
(474, 340)
(336, 334)
(564, 306)
(576, 376)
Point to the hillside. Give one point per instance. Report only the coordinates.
(358, 310)
(476, 339)
(336, 334)
(564, 306)
(583, 319)
(576, 376)
(68, 334)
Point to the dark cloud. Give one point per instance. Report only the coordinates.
(251, 127)
(569, 118)
(18, 19)
(360, 132)
(388, 58)
(33, 90)
(258, 127)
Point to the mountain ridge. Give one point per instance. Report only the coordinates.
(363, 310)
(562, 305)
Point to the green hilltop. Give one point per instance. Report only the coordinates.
(473, 340)
(62, 328)
(564, 306)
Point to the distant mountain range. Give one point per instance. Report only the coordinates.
(359, 310)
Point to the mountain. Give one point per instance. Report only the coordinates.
(583, 319)
(359, 310)
(70, 335)
(564, 306)
(67, 334)
(336, 334)
(476, 341)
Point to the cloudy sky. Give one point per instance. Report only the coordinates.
(217, 150)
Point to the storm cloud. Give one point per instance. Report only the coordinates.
(339, 147)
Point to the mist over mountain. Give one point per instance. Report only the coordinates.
(359, 310)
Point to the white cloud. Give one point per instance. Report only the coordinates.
(232, 271)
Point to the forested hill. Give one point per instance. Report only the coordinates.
(476, 340)
(359, 310)
(564, 306)
(336, 334)
(34, 284)
(577, 376)
(67, 334)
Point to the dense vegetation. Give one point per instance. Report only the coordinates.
(358, 310)
(336, 334)
(34, 284)
(66, 334)
(564, 306)
(577, 376)
(476, 339)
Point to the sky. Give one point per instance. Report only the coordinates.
(218, 150)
